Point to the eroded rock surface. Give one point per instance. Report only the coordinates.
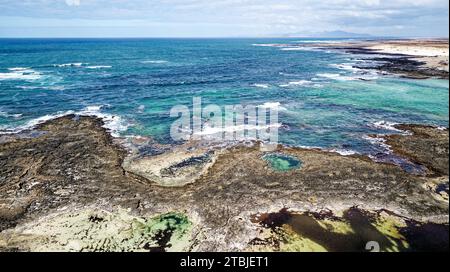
(349, 230)
(98, 230)
(74, 168)
(426, 145)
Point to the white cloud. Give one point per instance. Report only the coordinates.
(73, 2)
(265, 17)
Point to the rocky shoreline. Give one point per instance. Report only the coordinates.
(68, 185)
(416, 59)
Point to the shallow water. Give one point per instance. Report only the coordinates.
(282, 163)
(353, 231)
(134, 83)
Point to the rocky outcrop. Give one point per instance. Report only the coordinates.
(425, 145)
(410, 58)
(73, 169)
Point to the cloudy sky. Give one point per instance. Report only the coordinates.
(219, 18)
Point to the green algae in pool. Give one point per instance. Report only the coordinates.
(351, 231)
(282, 163)
(165, 231)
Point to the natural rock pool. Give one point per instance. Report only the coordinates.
(282, 163)
(351, 230)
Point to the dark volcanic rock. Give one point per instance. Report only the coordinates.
(426, 145)
(407, 67)
(75, 160)
(401, 64)
(75, 166)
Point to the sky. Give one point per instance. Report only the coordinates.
(221, 18)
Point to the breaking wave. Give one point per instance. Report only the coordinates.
(19, 73)
(113, 123)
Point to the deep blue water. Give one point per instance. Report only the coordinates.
(138, 81)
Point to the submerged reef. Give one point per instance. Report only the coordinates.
(68, 185)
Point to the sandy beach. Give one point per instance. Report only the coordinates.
(424, 57)
(433, 52)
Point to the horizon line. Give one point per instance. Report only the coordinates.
(229, 37)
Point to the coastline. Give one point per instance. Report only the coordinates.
(68, 184)
(75, 169)
(409, 58)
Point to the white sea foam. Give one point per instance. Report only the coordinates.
(298, 48)
(335, 76)
(28, 87)
(10, 115)
(92, 109)
(20, 74)
(345, 66)
(56, 88)
(320, 41)
(309, 41)
(272, 105)
(261, 85)
(373, 139)
(329, 75)
(207, 130)
(386, 125)
(379, 141)
(19, 69)
(343, 152)
(297, 83)
(113, 123)
(141, 108)
(310, 147)
(368, 76)
(268, 44)
(154, 61)
(53, 88)
(99, 67)
(75, 64)
(357, 73)
(33, 123)
(341, 77)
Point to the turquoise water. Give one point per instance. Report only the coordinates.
(282, 163)
(134, 83)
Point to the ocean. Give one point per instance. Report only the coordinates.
(133, 83)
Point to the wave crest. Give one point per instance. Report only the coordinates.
(113, 123)
(19, 73)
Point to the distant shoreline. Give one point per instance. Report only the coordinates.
(372, 38)
(410, 58)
